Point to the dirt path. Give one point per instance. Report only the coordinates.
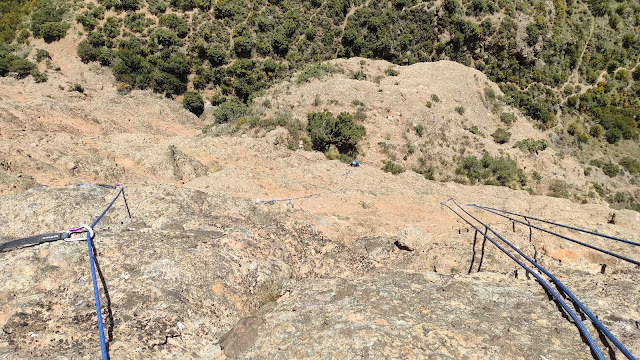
(351, 12)
(575, 72)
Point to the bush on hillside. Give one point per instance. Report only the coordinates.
(501, 136)
(243, 46)
(38, 77)
(631, 165)
(610, 169)
(22, 67)
(611, 117)
(392, 167)
(492, 170)
(559, 188)
(230, 111)
(42, 54)
(175, 23)
(326, 130)
(532, 146)
(86, 52)
(596, 131)
(193, 102)
(47, 13)
(508, 118)
(216, 57)
(53, 31)
(613, 135)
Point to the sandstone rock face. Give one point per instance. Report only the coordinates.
(205, 275)
(412, 239)
(407, 315)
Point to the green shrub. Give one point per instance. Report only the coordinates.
(596, 131)
(310, 33)
(502, 170)
(22, 67)
(536, 176)
(184, 5)
(611, 117)
(38, 77)
(610, 169)
(419, 129)
(193, 102)
(360, 115)
(316, 71)
(11, 15)
(218, 99)
(175, 23)
(460, 109)
(507, 173)
(77, 87)
(357, 75)
(53, 31)
(559, 188)
(508, 118)
(165, 38)
(435, 98)
(575, 129)
(47, 12)
(597, 163)
(631, 165)
(130, 5)
(87, 20)
(166, 83)
(391, 71)
(222, 10)
(501, 136)
(42, 54)
(96, 39)
(242, 46)
(613, 135)
(599, 189)
(392, 167)
(489, 93)
(624, 200)
(472, 168)
(86, 52)
(341, 131)
(476, 131)
(23, 37)
(216, 57)
(280, 43)
(532, 146)
(156, 7)
(230, 111)
(428, 171)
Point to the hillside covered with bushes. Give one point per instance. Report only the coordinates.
(570, 66)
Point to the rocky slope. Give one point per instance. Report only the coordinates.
(372, 267)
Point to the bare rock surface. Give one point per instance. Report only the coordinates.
(412, 239)
(407, 315)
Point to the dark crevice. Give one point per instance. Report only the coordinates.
(402, 247)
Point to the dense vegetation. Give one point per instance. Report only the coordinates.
(238, 47)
